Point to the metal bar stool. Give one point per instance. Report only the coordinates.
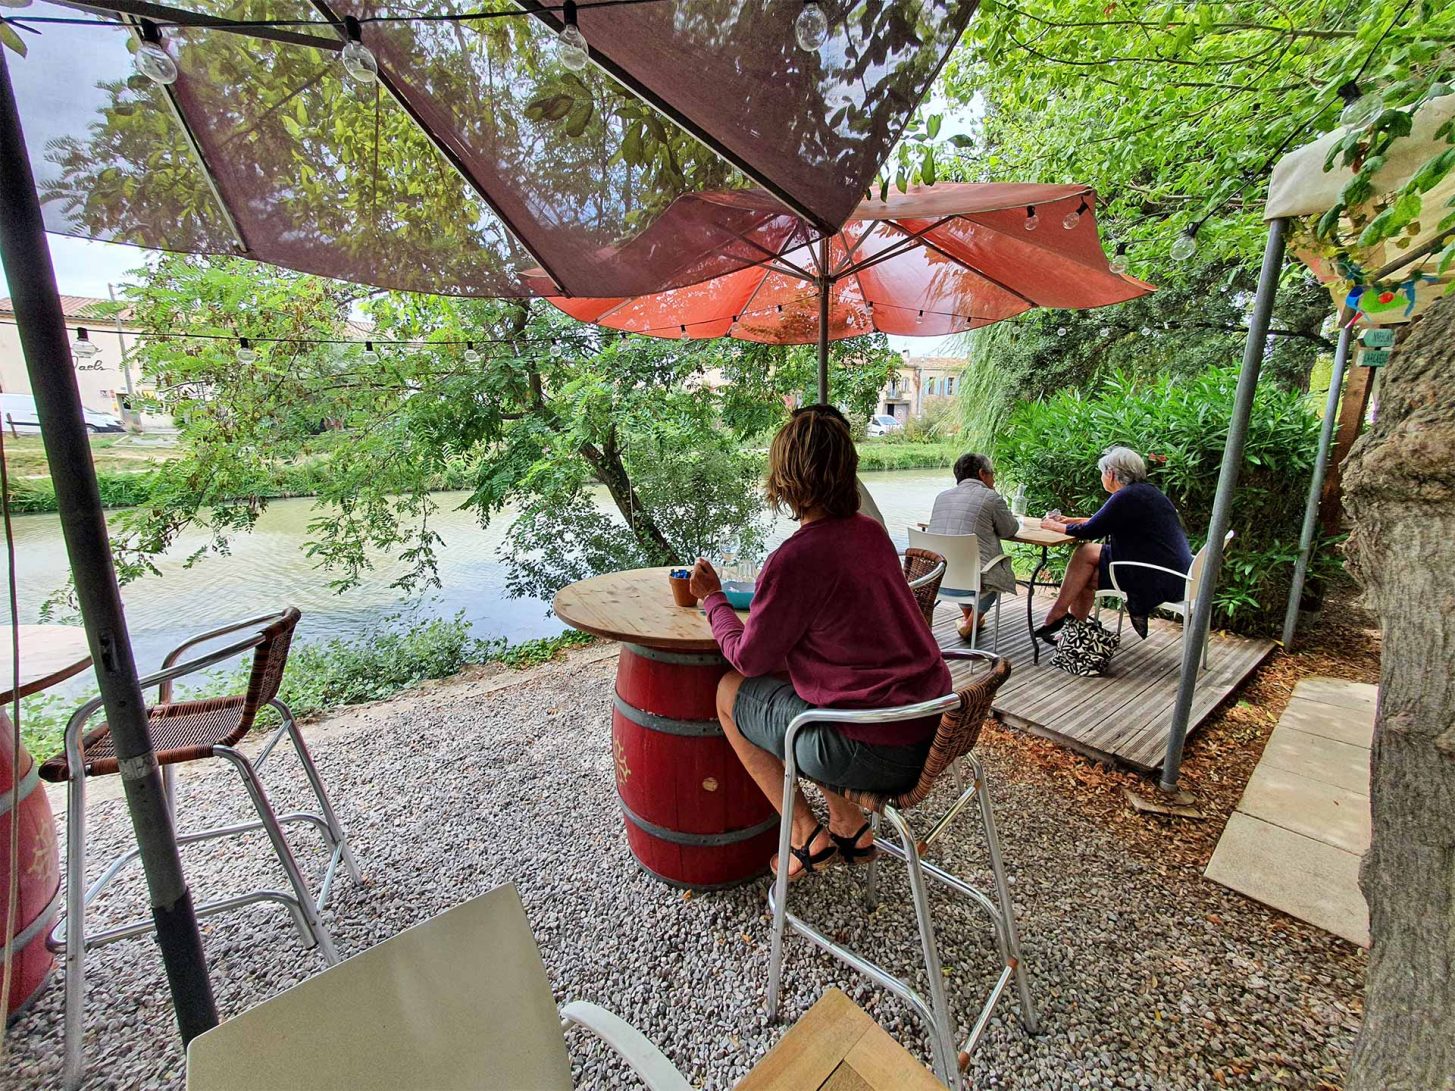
(184, 731)
(963, 714)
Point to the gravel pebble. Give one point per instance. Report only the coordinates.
(1146, 976)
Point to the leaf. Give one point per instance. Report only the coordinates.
(11, 40)
(927, 167)
(932, 125)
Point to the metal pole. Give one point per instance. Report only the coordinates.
(27, 262)
(1316, 486)
(825, 288)
(1195, 635)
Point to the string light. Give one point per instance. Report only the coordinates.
(472, 355)
(1119, 261)
(683, 333)
(83, 346)
(1360, 108)
(811, 28)
(369, 356)
(246, 354)
(151, 60)
(1032, 220)
(572, 49)
(920, 319)
(358, 61)
(1185, 245)
(1060, 331)
(1073, 218)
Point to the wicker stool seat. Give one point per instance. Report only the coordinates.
(962, 715)
(182, 731)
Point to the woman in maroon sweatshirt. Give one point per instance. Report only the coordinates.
(833, 625)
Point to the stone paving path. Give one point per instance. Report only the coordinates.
(1302, 826)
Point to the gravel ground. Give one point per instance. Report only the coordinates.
(1146, 975)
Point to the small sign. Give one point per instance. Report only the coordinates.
(1377, 337)
(1373, 357)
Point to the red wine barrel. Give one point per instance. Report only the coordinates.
(39, 868)
(694, 818)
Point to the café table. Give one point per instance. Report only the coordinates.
(693, 816)
(1031, 533)
(837, 1047)
(49, 654)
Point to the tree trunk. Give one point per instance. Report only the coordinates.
(607, 465)
(1399, 489)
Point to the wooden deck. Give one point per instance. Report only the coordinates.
(1123, 716)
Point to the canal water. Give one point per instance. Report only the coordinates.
(268, 569)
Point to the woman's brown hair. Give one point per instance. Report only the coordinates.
(813, 465)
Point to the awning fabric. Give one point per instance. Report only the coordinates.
(1300, 189)
(928, 262)
(481, 166)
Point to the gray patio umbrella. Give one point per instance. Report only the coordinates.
(481, 148)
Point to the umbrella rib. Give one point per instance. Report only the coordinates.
(929, 244)
(444, 149)
(753, 295)
(903, 246)
(163, 13)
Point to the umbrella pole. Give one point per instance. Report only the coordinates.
(42, 328)
(825, 286)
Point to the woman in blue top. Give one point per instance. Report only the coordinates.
(1139, 523)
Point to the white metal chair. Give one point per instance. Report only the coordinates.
(1192, 580)
(963, 714)
(459, 1001)
(184, 731)
(963, 571)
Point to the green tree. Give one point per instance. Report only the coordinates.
(549, 412)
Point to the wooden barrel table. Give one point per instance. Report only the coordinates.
(48, 654)
(693, 816)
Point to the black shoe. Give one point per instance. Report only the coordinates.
(1050, 629)
(1139, 623)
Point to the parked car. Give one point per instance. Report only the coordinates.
(17, 412)
(882, 424)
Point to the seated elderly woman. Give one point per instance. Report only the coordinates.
(833, 624)
(1139, 523)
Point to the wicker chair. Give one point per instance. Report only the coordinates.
(924, 570)
(963, 714)
(184, 731)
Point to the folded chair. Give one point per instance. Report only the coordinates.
(184, 731)
(924, 570)
(962, 715)
(460, 1001)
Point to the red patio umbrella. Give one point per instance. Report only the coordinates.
(928, 262)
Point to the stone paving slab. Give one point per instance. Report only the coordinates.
(1303, 823)
(1303, 877)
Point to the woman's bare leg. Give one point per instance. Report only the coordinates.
(767, 770)
(1078, 587)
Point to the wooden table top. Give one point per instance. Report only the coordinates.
(48, 654)
(837, 1047)
(1032, 535)
(635, 607)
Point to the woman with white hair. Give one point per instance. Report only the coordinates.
(1139, 523)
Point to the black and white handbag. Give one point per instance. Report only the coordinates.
(1084, 648)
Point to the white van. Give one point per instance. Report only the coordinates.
(18, 415)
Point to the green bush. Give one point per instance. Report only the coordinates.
(334, 673)
(890, 453)
(1052, 446)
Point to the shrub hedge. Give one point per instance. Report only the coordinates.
(1052, 446)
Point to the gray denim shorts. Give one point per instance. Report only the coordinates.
(765, 707)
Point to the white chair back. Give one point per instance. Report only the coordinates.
(1199, 562)
(962, 558)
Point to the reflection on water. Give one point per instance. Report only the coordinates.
(267, 569)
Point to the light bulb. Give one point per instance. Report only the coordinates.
(683, 334)
(358, 61)
(246, 354)
(1060, 331)
(150, 59)
(1119, 261)
(811, 28)
(1185, 245)
(1145, 331)
(1032, 220)
(920, 320)
(369, 356)
(1359, 112)
(472, 356)
(1105, 331)
(1072, 218)
(83, 346)
(571, 44)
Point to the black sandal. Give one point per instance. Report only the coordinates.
(849, 849)
(808, 861)
(1050, 629)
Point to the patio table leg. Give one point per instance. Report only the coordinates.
(1031, 602)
